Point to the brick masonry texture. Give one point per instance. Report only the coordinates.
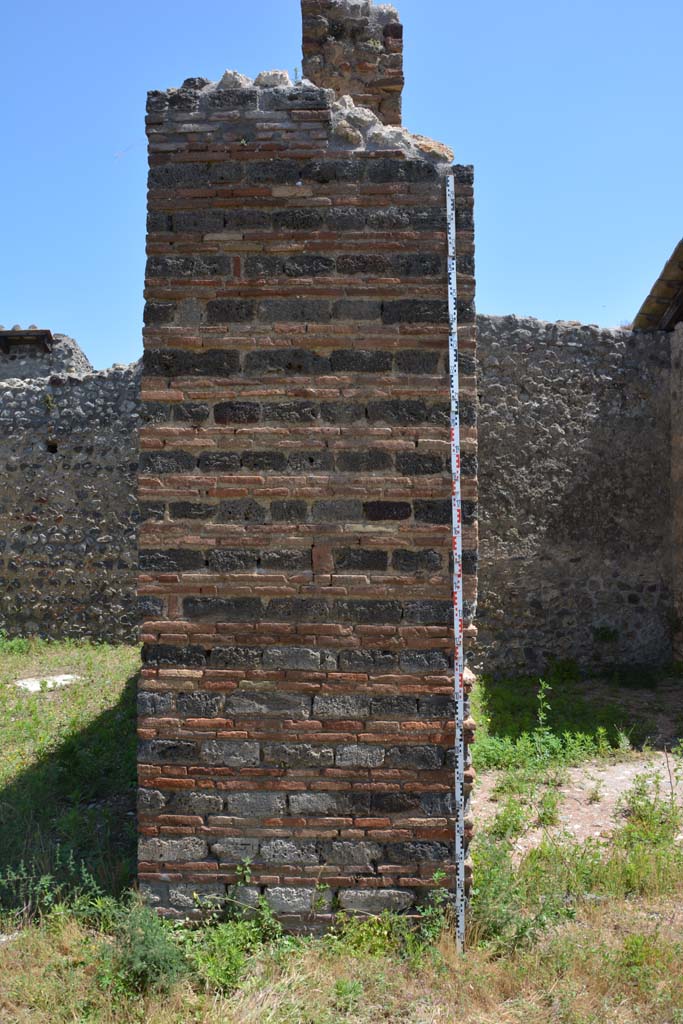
(575, 456)
(296, 697)
(68, 503)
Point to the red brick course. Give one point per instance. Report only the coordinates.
(296, 707)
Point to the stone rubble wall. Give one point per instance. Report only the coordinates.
(68, 507)
(575, 443)
(676, 524)
(296, 701)
(26, 362)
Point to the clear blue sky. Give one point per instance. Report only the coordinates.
(570, 112)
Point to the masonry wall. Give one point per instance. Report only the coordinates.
(68, 503)
(575, 443)
(29, 362)
(676, 525)
(296, 700)
(578, 545)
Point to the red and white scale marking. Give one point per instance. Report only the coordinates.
(458, 626)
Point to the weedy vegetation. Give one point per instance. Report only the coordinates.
(577, 933)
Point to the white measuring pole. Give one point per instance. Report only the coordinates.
(457, 572)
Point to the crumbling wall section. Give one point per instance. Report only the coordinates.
(296, 700)
(575, 443)
(355, 48)
(30, 362)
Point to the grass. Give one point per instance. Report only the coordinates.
(617, 961)
(570, 729)
(532, 730)
(514, 901)
(570, 933)
(67, 772)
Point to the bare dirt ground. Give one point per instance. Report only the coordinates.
(589, 798)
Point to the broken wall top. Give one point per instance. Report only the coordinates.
(356, 48)
(270, 113)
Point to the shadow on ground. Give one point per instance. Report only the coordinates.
(77, 805)
(646, 707)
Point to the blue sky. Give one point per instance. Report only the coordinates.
(570, 113)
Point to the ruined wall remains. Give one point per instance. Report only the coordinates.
(25, 362)
(68, 507)
(296, 701)
(575, 557)
(676, 524)
(578, 546)
(356, 49)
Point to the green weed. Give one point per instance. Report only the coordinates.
(521, 727)
(511, 820)
(243, 871)
(548, 809)
(27, 893)
(219, 953)
(14, 645)
(649, 816)
(347, 994)
(393, 935)
(512, 904)
(144, 956)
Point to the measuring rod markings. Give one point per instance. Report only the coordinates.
(458, 626)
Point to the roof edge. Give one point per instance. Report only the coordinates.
(663, 308)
